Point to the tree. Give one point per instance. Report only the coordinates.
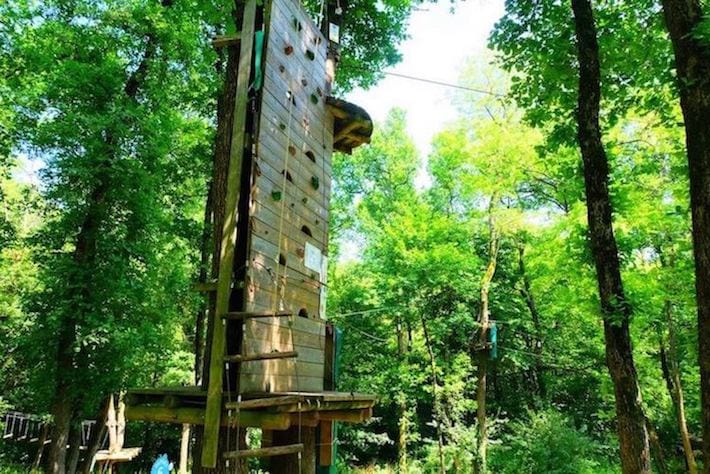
(691, 46)
(101, 103)
(616, 310)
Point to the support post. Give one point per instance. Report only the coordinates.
(226, 258)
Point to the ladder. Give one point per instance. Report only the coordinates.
(219, 359)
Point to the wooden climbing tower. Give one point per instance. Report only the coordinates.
(272, 351)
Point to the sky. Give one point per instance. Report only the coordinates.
(440, 43)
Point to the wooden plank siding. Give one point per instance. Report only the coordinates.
(295, 139)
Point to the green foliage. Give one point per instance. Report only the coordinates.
(549, 442)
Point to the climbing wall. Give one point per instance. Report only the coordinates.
(289, 207)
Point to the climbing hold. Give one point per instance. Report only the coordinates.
(319, 91)
(288, 49)
(282, 126)
(289, 178)
(304, 200)
(315, 182)
(282, 68)
(292, 150)
(314, 99)
(310, 54)
(276, 195)
(297, 24)
(304, 82)
(311, 156)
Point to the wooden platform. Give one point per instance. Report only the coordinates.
(352, 126)
(272, 410)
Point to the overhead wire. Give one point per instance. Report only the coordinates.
(433, 82)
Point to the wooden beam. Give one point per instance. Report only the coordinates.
(196, 416)
(323, 407)
(265, 452)
(241, 315)
(346, 416)
(262, 402)
(213, 412)
(309, 419)
(326, 443)
(263, 356)
(220, 41)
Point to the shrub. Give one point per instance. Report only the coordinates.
(548, 442)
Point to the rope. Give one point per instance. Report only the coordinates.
(284, 182)
(277, 280)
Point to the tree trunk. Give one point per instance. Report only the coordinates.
(64, 407)
(527, 294)
(480, 463)
(62, 413)
(633, 437)
(671, 372)
(692, 60)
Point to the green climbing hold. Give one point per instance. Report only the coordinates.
(310, 54)
(314, 98)
(276, 195)
(315, 182)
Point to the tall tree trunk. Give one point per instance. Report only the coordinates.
(480, 464)
(692, 60)
(671, 372)
(527, 294)
(65, 405)
(633, 437)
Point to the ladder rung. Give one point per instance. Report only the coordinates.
(263, 402)
(256, 314)
(264, 356)
(264, 452)
(220, 41)
(205, 287)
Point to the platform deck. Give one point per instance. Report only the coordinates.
(268, 410)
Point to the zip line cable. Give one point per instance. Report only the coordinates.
(443, 84)
(433, 82)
